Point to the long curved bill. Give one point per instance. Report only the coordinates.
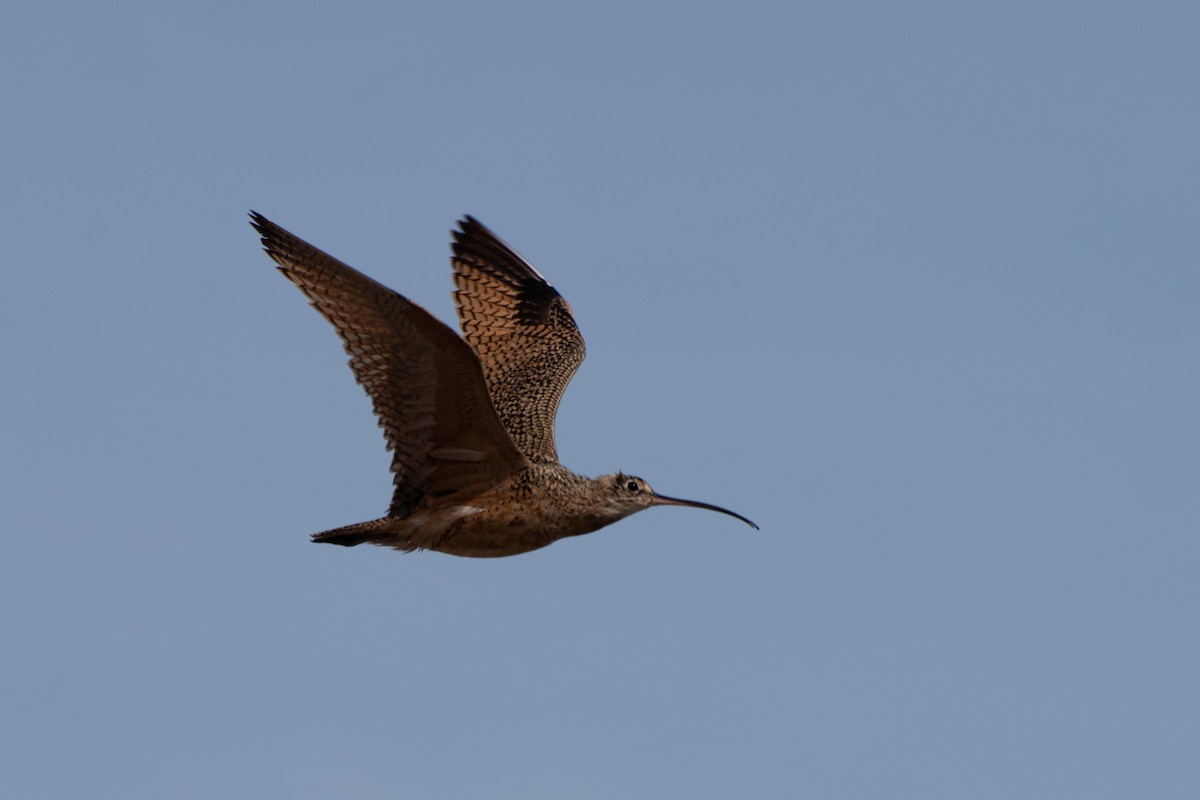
(661, 500)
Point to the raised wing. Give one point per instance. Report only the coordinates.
(521, 329)
(424, 382)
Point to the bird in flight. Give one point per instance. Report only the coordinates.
(470, 419)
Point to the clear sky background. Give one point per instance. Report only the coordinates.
(912, 285)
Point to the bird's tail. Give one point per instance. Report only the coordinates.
(378, 531)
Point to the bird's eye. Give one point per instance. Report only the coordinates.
(632, 486)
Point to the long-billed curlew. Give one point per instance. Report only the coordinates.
(469, 420)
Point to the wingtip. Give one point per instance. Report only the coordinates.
(261, 224)
(276, 242)
(274, 237)
(472, 236)
(469, 226)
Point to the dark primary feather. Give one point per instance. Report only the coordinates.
(426, 385)
(521, 329)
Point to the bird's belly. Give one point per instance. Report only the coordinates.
(493, 533)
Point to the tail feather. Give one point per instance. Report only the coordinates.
(344, 539)
(374, 531)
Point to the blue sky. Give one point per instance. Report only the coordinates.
(912, 285)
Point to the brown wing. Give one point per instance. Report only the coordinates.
(426, 385)
(521, 329)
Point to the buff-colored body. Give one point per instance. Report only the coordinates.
(469, 420)
(537, 507)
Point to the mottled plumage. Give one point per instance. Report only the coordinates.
(523, 332)
(469, 420)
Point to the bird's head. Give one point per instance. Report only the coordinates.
(627, 494)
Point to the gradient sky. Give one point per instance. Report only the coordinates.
(912, 285)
